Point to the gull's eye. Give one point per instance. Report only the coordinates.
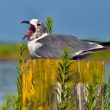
(39, 24)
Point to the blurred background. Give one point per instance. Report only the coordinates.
(85, 19)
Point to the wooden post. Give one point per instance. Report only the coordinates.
(40, 76)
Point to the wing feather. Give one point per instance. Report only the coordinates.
(53, 45)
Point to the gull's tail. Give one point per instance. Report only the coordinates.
(105, 44)
(83, 54)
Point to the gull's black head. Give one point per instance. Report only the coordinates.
(36, 29)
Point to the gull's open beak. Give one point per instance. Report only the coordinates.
(30, 31)
(27, 22)
(24, 37)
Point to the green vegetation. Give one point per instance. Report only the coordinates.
(92, 94)
(21, 49)
(12, 103)
(107, 95)
(64, 80)
(67, 101)
(49, 24)
(8, 51)
(7, 104)
(103, 55)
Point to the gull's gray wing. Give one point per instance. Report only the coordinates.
(53, 46)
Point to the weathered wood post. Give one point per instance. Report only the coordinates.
(40, 75)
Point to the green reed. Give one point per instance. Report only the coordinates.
(64, 80)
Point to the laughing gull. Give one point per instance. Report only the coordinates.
(43, 45)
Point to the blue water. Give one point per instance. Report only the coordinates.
(8, 74)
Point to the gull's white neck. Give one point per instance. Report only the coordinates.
(33, 45)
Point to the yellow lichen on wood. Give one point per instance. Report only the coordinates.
(40, 76)
(27, 81)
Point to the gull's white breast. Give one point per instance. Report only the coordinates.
(33, 46)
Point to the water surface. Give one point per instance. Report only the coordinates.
(8, 74)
